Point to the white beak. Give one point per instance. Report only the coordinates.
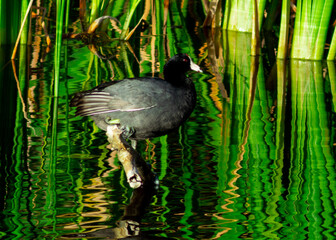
(194, 66)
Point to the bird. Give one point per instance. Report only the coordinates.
(143, 107)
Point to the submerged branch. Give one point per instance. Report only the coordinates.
(137, 171)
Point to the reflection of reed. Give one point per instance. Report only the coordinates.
(96, 201)
(233, 183)
(311, 169)
(130, 223)
(252, 180)
(138, 176)
(274, 200)
(250, 101)
(332, 77)
(228, 62)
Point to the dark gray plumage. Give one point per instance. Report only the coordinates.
(149, 106)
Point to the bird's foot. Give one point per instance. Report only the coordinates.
(127, 132)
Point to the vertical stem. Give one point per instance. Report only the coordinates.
(67, 15)
(332, 77)
(58, 44)
(21, 29)
(3, 22)
(322, 26)
(255, 51)
(295, 51)
(130, 13)
(94, 10)
(284, 29)
(24, 10)
(82, 14)
(332, 49)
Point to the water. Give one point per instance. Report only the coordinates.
(255, 159)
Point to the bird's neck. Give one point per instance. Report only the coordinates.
(175, 77)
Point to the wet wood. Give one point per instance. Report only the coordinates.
(137, 171)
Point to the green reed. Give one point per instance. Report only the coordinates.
(15, 161)
(3, 22)
(250, 173)
(332, 49)
(262, 156)
(95, 10)
(24, 34)
(131, 10)
(276, 176)
(311, 28)
(54, 112)
(332, 80)
(9, 21)
(60, 8)
(284, 30)
(311, 162)
(236, 15)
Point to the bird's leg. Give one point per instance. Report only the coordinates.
(127, 132)
(134, 144)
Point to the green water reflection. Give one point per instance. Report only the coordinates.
(255, 160)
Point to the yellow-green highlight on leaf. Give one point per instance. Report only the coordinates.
(310, 29)
(284, 30)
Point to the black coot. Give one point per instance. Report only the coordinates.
(144, 107)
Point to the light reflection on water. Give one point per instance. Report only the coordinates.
(240, 167)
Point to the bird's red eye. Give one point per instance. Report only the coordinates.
(185, 60)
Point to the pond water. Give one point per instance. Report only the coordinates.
(255, 160)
